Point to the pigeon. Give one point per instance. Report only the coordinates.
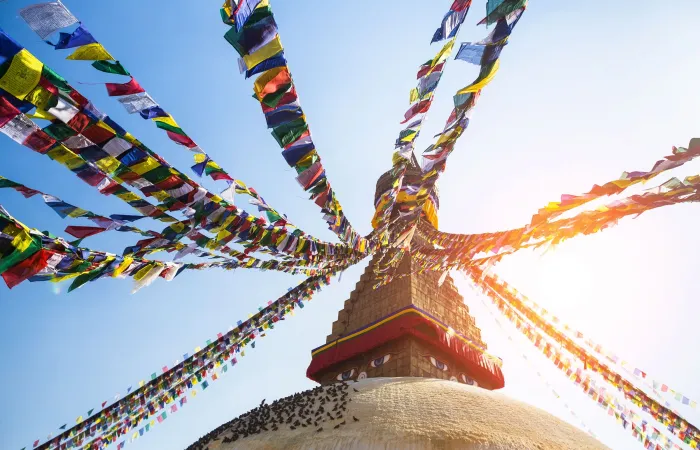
(355, 419)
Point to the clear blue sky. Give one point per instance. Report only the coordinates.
(585, 91)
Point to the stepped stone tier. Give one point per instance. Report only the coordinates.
(404, 367)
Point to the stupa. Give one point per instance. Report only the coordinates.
(403, 368)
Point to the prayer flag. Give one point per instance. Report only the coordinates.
(22, 75)
(77, 38)
(470, 52)
(498, 9)
(137, 102)
(83, 232)
(46, 18)
(110, 67)
(450, 24)
(276, 61)
(117, 89)
(8, 47)
(485, 76)
(415, 109)
(26, 268)
(91, 52)
(243, 11)
(267, 51)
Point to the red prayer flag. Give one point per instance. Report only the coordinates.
(83, 232)
(425, 69)
(7, 111)
(460, 5)
(220, 176)
(309, 176)
(27, 192)
(180, 139)
(117, 89)
(416, 109)
(39, 141)
(26, 268)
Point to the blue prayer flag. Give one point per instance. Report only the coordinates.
(77, 38)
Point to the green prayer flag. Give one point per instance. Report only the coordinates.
(59, 131)
(272, 99)
(16, 256)
(289, 132)
(110, 67)
(258, 15)
(5, 183)
(89, 276)
(55, 79)
(168, 127)
(233, 37)
(498, 9)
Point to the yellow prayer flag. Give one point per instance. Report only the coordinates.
(78, 212)
(79, 419)
(144, 271)
(39, 97)
(128, 196)
(91, 52)
(413, 96)
(267, 51)
(161, 196)
(146, 165)
(199, 158)
(108, 164)
(23, 74)
(477, 86)
(430, 212)
(123, 266)
(444, 53)
(167, 120)
(41, 114)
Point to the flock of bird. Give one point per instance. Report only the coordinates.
(314, 408)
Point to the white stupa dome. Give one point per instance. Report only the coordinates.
(397, 413)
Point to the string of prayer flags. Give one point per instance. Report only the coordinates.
(105, 156)
(253, 34)
(458, 251)
(404, 190)
(502, 295)
(140, 408)
(579, 374)
(678, 157)
(465, 99)
(429, 75)
(435, 156)
(27, 254)
(130, 94)
(610, 356)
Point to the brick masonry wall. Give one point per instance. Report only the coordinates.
(403, 357)
(408, 356)
(367, 305)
